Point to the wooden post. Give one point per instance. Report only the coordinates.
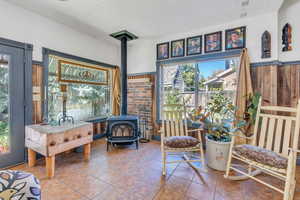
(31, 158)
(50, 166)
(87, 151)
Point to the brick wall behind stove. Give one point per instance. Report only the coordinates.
(140, 98)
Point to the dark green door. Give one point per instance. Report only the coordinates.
(11, 106)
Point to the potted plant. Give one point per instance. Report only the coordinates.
(218, 125)
(218, 118)
(219, 121)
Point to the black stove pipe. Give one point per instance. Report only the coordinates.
(124, 36)
(124, 75)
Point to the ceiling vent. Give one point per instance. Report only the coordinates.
(245, 3)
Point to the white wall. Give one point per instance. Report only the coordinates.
(290, 13)
(142, 52)
(25, 26)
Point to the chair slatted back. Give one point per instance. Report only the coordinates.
(174, 128)
(174, 121)
(277, 128)
(174, 112)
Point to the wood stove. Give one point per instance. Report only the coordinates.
(123, 128)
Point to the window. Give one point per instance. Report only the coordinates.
(88, 89)
(196, 82)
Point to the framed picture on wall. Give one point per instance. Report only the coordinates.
(162, 51)
(194, 45)
(235, 38)
(213, 42)
(177, 48)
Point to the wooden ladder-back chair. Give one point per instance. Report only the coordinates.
(174, 112)
(273, 149)
(174, 123)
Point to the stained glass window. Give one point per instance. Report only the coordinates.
(88, 89)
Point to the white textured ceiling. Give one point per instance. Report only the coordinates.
(145, 18)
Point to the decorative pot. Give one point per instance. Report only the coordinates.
(217, 153)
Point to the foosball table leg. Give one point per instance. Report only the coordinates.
(31, 157)
(87, 151)
(50, 166)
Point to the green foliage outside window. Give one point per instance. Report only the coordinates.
(173, 96)
(188, 76)
(3, 136)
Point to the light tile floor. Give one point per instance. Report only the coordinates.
(129, 174)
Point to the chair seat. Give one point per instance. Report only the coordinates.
(261, 155)
(181, 142)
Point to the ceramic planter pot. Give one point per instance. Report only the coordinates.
(217, 153)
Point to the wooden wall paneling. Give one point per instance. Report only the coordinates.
(254, 79)
(37, 81)
(98, 127)
(295, 73)
(266, 84)
(284, 89)
(259, 80)
(94, 128)
(274, 85)
(281, 85)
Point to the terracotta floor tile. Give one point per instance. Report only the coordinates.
(168, 194)
(177, 184)
(52, 189)
(255, 191)
(86, 185)
(200, 191)
(110, 193)
(125, 173)
(229, 189)
(184, 171)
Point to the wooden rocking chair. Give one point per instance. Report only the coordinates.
(273, 149)
(173, 127)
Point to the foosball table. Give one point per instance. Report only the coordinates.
(51, 140)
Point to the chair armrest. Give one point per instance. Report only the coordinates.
(195, 130)
(294, 150)
(242, 136)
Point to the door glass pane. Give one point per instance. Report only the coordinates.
(4, 104)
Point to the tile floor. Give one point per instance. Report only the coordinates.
(128, 174)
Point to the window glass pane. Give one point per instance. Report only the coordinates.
(84, 100)
(4, 104)
(215, 76)
(180, 82)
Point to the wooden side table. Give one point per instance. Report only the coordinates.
(51, 140)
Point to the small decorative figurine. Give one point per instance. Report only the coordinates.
(266, 45)
(287, 37)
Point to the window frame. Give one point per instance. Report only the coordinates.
(49, 52)
(191, 59)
